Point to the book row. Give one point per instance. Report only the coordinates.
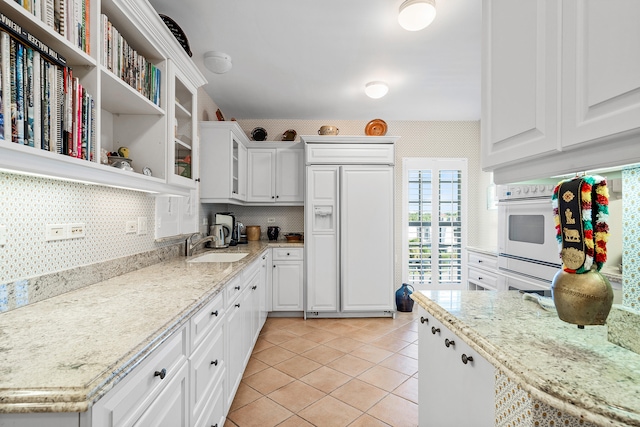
(127, 64)
(41, 104)
(70, 18)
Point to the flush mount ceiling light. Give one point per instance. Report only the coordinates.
(376, 90)
(217, 62)
(416, 14)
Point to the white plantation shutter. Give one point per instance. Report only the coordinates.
(434, 222)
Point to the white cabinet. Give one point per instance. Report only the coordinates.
(125, 113)
(452, 374)
(223, 163)
(171, 407)
(287, 279)
(482, 272)
(560, 86)
(276, 175)
(176, 215)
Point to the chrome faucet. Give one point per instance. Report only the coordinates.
(190, 245)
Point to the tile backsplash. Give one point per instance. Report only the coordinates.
(631, 238)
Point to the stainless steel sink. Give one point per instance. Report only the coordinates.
(220, 257)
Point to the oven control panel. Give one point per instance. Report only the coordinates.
(525, 191)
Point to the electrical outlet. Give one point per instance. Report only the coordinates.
(3, 235)
(55, 232)
(77, 230)
(131, 227)
(142, 225)
(271, 220)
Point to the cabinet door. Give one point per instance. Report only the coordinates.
(239, 168)
(170, 408)
(521, 43)
(207, 365)
(600, 70)
(287, 286)
(233, 347)
(289, 175)
(366, 238)
(261, 164)
(445, 379)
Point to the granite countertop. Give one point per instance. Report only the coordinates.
(485, 251)
(63, 353)
(575, 370)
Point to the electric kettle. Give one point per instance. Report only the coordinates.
(218, 232)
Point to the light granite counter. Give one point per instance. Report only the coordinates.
(574, 370)
(62, 354)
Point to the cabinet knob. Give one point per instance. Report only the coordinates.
(215, 362)
(197, 179)
(272, 197)
(288, 254)
(238, 306)
(424, 320)
(466, 359)
(449, 343)
(237, 288)
(435, 330)
(277, 197)
(274, 266)
(479, 261)
(161, 374)
(479, 277)
(253, 288)
(214, 313)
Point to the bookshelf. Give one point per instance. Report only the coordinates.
(129, 110)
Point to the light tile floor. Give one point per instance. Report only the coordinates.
(331, 372)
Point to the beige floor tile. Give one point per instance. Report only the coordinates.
(363, 335)
(262, 344)
(359, 394)
(264, 412)
(274, 355)
(299, 328)
(278, 336)
(254, 366)
(244, 396)
(295, 421)
(296, 396)
(323, 354)
(404, 364)
(299, 345)
(268, 380)
(330, 412)
(325, 379)
(384, 378)
(366, 420)
(390, 343)
(297, 366)
(320, 336)
(408, 390)
(280, 322)
(410, 350)
(340, 328)
(396, 411)
(229, 423)
(350, 365)
(404, 335)
(371, 353)
(344, 344)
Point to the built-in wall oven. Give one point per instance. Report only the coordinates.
(528, 254)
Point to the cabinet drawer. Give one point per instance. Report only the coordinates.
(128, 400)
(370, 154)
(208, 316)
(207, 367)
(288, 254)
(213, 415)
(233, 289)
(483, 278)
(486, 262)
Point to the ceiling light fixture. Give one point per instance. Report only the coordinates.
(416, 14)
(217, 62)
(376, 90)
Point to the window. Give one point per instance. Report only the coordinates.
(434, 222)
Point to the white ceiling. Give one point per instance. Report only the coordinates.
(310, 59)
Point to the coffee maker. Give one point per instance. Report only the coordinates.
(228, 219)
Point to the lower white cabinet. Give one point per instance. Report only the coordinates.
(171, 407)
(483, 273)
(287, 279)
(207, 369)
(456, 386)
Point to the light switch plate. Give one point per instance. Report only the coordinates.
(131, 227)
(55, 232)
(77, 230)
(3, 235)
(142, 225)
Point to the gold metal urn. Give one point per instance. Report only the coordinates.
(582, 299)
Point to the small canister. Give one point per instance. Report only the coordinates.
(253, 232)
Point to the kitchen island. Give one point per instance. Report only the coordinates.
(64, 353)
(576, 373)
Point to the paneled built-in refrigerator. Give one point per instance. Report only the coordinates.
(349, 230)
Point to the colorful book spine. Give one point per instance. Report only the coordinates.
(29, 101)
(20, 93)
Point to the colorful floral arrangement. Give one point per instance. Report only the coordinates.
(594, 200)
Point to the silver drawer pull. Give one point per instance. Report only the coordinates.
(424, 320)
(449, 343)
(466, 359)
(435, 330)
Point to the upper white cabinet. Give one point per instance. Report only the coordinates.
(134, 80)
(276, 175)
(223, 162)
(561, 86)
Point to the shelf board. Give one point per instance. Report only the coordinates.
(115, 90)
(181, 112)
(183, 144)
